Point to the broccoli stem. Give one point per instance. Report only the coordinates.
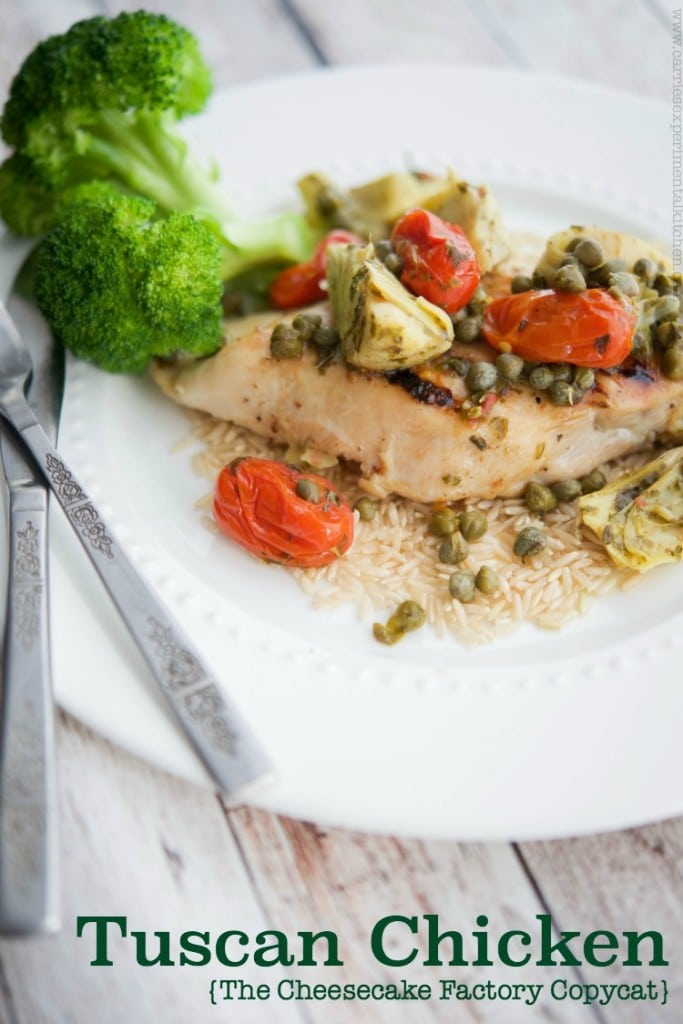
(286, 237)
(150, 160)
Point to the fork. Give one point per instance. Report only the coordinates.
(29, 847)
(221, 738)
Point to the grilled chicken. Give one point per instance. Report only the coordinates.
(408, 431)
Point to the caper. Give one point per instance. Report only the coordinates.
(520, 283)
(538, 280)
(307, 489)
(453, 549)
(625, 282)
(589, 252)
(443, 522)
(669, 332)
(487, 580)
(672, 363)
(584, 378)
(562, 371)
(529, 541)
(566, 490)
(459, 365)
(481, 376)
(664, 284)
(509, 365)
(473, 524)
(285, 342)
(306, 319)
(594, 481)
(563, 393)
(641, 347)
(539, 498)
(328, 202)
(467, 330)
(325, 337)
(306, 324)
(570, 260)
(646, 269)
(408, 616)
(573, 242)
(366, 508)
(393, 262)
(462, 587)
(381, 633)
(569, 279)
(541, 377)
(478, 302)
(383, 248)
(666, 307)
(601, 275)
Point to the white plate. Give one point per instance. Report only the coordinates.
(537, 735)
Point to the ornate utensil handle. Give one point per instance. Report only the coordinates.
(29, 900)
(220, 737)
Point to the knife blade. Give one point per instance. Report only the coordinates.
(29, 880)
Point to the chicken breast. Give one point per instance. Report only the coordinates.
(409, 433)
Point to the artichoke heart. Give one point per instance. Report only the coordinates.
(615, 245)
(639, 517)
(372, 209)
(475, 209)
(381, 325)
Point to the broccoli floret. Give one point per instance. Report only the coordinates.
(102, 102)
(27, 200)
(120, 286)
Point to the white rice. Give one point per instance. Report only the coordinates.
(394, 558)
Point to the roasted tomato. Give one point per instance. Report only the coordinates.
(282, 514)
(296, 286)
(438, 261)
(301, 284)
(589, 328)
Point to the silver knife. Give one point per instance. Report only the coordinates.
(29, 875)
(232, 755)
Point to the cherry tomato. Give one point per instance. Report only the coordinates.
(438, 261)
(281, 514)
(589, 328)
(300, 285)
(296, 286)
(337, 237)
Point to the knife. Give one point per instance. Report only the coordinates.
(29, 877)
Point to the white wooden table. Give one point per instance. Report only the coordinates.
(170, 856)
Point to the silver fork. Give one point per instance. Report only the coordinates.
(231, 754)
(29, 848)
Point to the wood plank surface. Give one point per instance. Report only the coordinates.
(609, 42)
(319, 878)
(581, 39)
(619, 881)
(241, 41)
(155, 849)
(137, 843)
(663, 9)
(22, 25)
(377, 31)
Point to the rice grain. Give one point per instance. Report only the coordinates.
(394, 558)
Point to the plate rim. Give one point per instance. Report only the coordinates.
(350, 71)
